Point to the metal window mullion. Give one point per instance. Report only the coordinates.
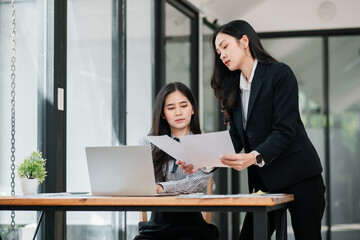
(327, 133)
(52, 125)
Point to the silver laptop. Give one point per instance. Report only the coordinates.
(121, 171)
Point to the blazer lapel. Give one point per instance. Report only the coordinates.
(256, 86)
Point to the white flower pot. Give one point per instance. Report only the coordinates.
(29, 186)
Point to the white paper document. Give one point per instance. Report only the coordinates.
(200, 150)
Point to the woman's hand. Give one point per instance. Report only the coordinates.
(159, 188)
(238, 161)
(189, 169)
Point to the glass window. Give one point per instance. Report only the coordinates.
(178, 46)
(89, 108)
(304, 56)
(212, 114)
(139, 54)
(29, 61)
(139, 47)
(344, 87)
(89, 113)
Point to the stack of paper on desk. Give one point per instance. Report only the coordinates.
(200, 150)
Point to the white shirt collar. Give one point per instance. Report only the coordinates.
(172, 135)
(244, 85)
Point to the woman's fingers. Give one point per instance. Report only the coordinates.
(238, 165)
(237, 161)
(230, 157)
(189, 169)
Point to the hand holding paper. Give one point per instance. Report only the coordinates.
(200, 150)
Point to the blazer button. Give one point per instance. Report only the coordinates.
(249, 135)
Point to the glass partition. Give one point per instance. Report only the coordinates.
(212, 114)
(139, 80)
(89, 114)
(89, 101)
(344, 97)
(178, 46)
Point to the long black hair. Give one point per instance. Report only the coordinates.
(160, 126)
(225, 82)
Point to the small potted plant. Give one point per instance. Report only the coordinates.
(32, 172)
(9, 232)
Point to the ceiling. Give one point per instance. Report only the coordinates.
(283, 15)
(226, 10)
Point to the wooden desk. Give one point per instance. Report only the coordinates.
(259, 205)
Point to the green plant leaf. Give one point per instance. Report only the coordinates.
(32, 167)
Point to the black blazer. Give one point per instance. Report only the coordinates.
(274, 129)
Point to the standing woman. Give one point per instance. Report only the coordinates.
(176, 114)
(259, 98)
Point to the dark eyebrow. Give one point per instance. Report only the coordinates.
(182, 102)
(220, 44)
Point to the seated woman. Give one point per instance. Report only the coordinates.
(176, 114)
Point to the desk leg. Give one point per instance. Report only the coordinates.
(281, 224)
(260, 225)
(38, 224)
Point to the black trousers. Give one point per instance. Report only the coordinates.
(306, 211)
(177, 226)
